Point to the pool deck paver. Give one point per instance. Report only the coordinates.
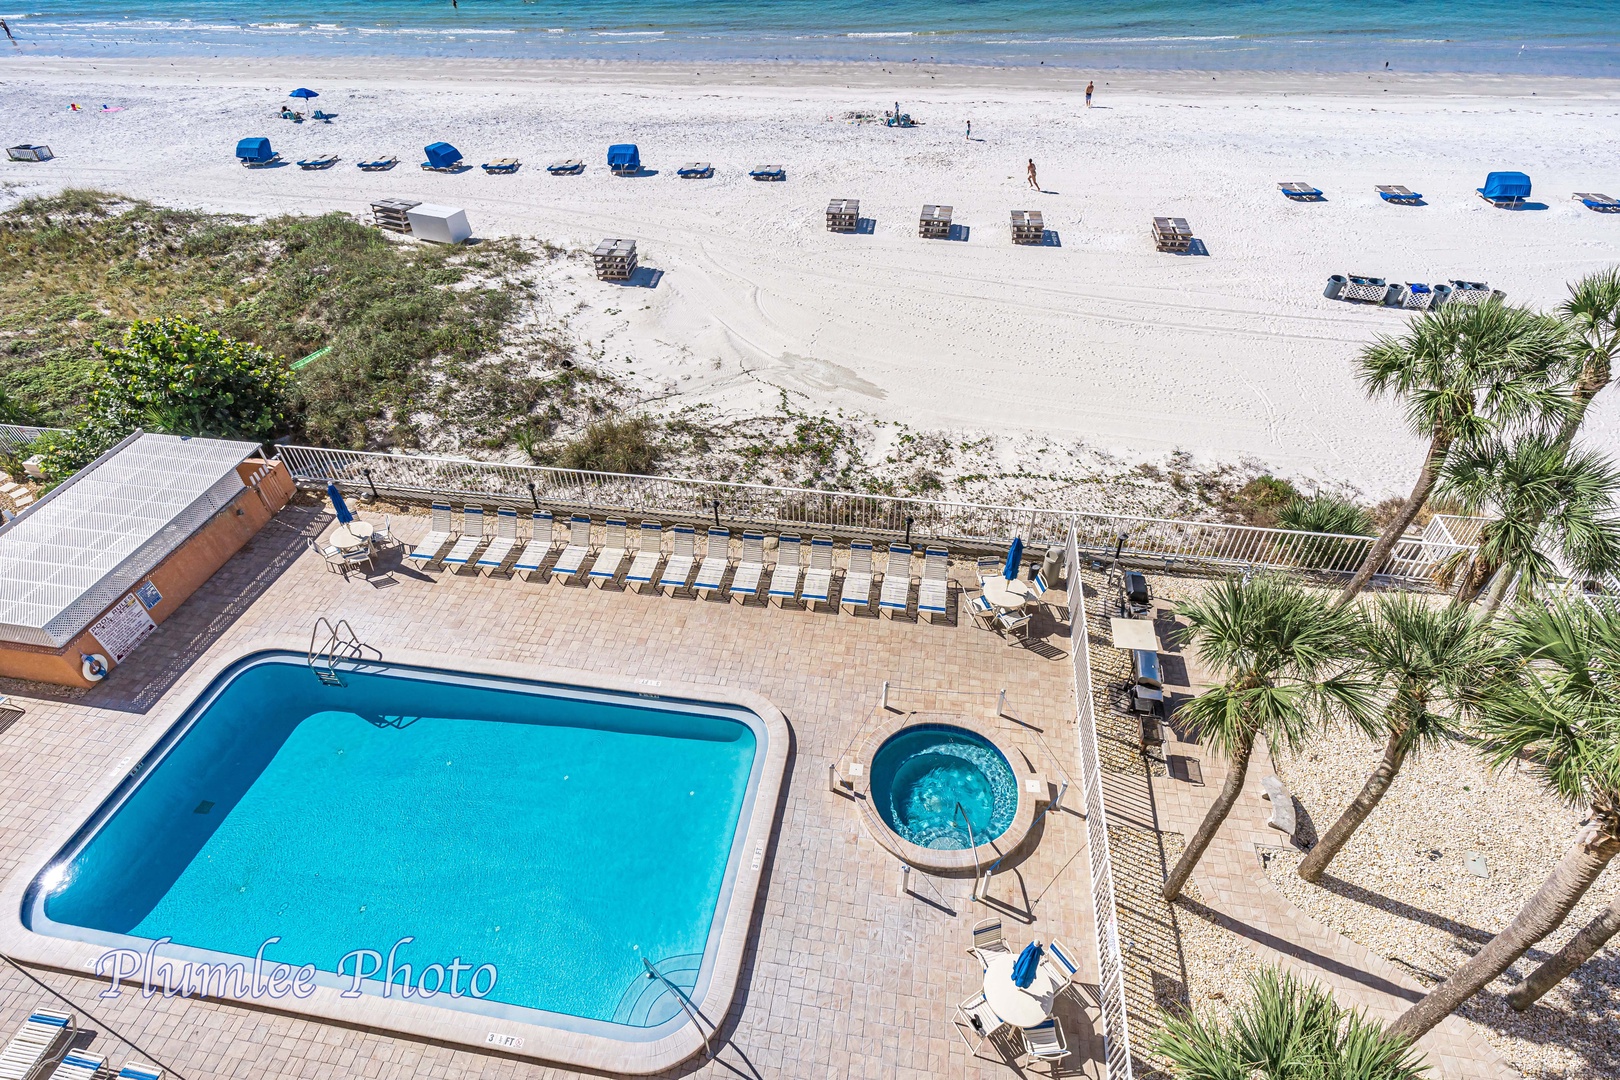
(846, 976)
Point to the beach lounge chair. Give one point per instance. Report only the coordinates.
(896, 593)
(648, 556)
(857, 590)
(256, 152)
(750, 568)
(441, 157)
(1300, 191)
(472, 537)
(1505, 190)
(579, 546)
(818, 577)
(567, 167)
(439, 533)
(716, 559)
(33, 152)
(678, 570)
(695, 170)
(934, 588)
(502, 166)
(138, 1071)
(323, 117)
(37, 1042)
(1045, 1042)
(1398, 194)
(1601, 203)
(79, 1065)
(624, 159)
(539, 545)
(768, 172)
(505, 540)
(785, 578)
(379, 164)
(611, 557)
(319, 161)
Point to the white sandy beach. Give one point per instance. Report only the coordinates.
(1097, 340)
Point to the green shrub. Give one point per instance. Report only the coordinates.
(1326, 514)
(619, 446)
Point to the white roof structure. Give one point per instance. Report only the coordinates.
(95, 536)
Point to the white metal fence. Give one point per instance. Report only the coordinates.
(1111, 966)
(15, 437)
(1177, 544)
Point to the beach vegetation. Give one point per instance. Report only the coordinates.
(1261, 500)
(1325, 514)
(614, 445)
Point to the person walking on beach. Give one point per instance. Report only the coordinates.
(969, 135)
(1034, 183)
(1090, 86)
(7, 29)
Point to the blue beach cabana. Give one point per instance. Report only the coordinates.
(1506, 189)
(441, 156)
(624, 159)
(255, 152)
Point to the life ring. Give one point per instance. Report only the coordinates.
(94, 667)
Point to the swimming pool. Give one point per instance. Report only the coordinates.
(525, 847)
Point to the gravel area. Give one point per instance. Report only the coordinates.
(1402, 887)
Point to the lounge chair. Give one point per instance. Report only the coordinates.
(768, 172)
(896, 593)
(79, 1065)
(568, 167)
(750, 568)
(1300, 191)
(323, 117)
(256, 152)
(857, 590)
(976, 1015)
(1399, 194)
(785, 578)
(37, 1042)
(695, 170)
(137, 1071)
(442, 157)
(934, 589)
(716, 559)
(505, 540)
(678, 570)
(472, 537)
(624, 159)
(579, 546)
(539, 545)
(439, 534)
(319, 161)
(1505, 190)
(645, 564)
(379, 164)
(611, 557)
(1601, 203)
(1045, 1042)
(502, 166)
(818, 578)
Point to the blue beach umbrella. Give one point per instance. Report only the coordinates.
(1015, 553)
(303, 92)
(342, 508)
(1024, 967)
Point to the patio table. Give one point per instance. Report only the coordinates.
(1008, 595)
(1024, 1006)
(356, 534)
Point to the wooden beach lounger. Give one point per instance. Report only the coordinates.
(1300, 191)
(615, 259)
(381, 164)
(769, 172)
(843, 215)
(502, 165)
(319, 161)
(1028, 227)
(570, 167)
(1398, 193)
(935, 222)
(1601, 203)
(695, 170)
(1172, 234)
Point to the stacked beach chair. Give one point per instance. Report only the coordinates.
(1028, 227)
(615, 259)
(843, 215)
(1172, 234)
(935, 222)
(393, 214)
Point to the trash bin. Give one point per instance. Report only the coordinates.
(1335, 287)
(1052, 565)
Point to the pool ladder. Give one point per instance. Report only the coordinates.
(339, 643)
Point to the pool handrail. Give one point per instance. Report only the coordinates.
(686, 1005)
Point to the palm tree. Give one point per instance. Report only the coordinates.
(1544, 497)
(1559, 711)
(1286, 653)
(1577, 951)
(1592, 314)
(1463, 373)
(1288, 1030)
(1429, 659)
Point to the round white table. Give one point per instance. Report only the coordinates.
(1008, 595)
(1020, 1006)
(355, 534)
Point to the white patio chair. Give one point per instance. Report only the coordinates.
(934, 590)
(440, 531)
(539, 546)
(977, 1023)
(1063, 963)
(785, 578)
(857, 591)
(750, 568)
(335, 562)
(506, 537)
(472, 537)
(678, 570)
(608, 560)
(645, 564)
(1045, 1042)
(716, 560)
(987, 938)
(579, 547)
(818, 578)
(896, 593)
(1015, 624)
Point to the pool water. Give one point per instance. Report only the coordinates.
(558, 834)
(920, 776)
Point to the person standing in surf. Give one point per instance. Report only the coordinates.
(1090, 86)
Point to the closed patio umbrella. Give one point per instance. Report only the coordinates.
(1015, 554)
(1025, 966)
(343, 514)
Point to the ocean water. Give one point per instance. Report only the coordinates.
(1568, 37)
(558, 840)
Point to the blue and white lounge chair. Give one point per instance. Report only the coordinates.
(611, 557)
(857, 591)
(750, 568)
(768, 172)
(439, 534)
(1593, 200)
(442, 157)
(579, 547)
(138, 1071)
(256, 152)
(896, 593)
(78, 1065)
(785, 578)
(381, 164)
(645, 565)
(934, 589)
(678, 570)
(818, 576)
(716, 559)
(319, 161)
(502, 166)
(506, 537)
(538, 548)
(570, 167)
(1506, 190)
(695, 170)
(472, 537)
(1300, 191)
(1399, 194)
(39, 1039)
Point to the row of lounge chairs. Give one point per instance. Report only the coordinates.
(635, 557)
(46, 1039)
(1504, 190)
